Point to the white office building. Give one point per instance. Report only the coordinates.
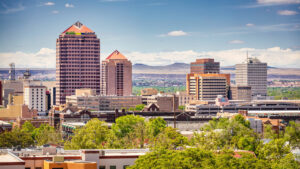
(252, 73)
(35, 98)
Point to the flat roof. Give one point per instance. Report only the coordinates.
(9, 157)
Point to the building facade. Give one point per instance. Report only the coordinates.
(203, 66)
(241, 93)
(252, 73)
(116, 75)
(77, 61)
(207, 86)
(35, 98)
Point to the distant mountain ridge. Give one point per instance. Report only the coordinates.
(175, 68)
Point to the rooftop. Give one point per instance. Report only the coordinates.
(78, 28)
(116, 55)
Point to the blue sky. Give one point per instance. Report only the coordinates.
(146, 30)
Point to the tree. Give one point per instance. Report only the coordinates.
(169, 138)
(91, 136)
(155, 126)
(181, 107)
(139, 107)
(46, 134)
(125, 124)
(274, 150)
(14, 138)
(292, 134)
(28, 127)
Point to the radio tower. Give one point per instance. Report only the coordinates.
(12, 71)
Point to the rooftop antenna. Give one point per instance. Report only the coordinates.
(12, 72)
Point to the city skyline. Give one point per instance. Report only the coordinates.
(177, 31)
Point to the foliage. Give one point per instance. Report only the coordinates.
(46, 134)
(169, 138)
(15, 138)
(292, 93)
(125, 124)
(181, 107)
(92, 136)
(194, 158)
(292, 134)
(155, 126)
(136, 90)
(139, 107)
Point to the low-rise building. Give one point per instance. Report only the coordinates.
(9, 160)
(165, 103)
(184, 98)
(16, 109)
(51, 157)
(241, 93)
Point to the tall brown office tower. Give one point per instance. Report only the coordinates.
(204, 66)
(77, 61)
(116, 75)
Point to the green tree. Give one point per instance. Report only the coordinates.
(125, 124)
(139, 107)
(46, 134)
(292, 134)
(91, 136)
(155, 126)
(275, 150)
(181, 107)
(14, 138)
(169, 138)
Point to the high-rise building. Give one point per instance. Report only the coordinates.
(207, 86)
(203, 66)
(252, 73)
(35, 98)
(77, 61)
(116, 75)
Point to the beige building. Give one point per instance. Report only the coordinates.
(207, 86)
(241, 93)
(16, 109)
(86, 99)
(184, 98)
(116, 75)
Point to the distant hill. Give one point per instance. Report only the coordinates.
(175, 68)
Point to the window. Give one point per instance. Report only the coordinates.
(38, 167)
(125, 166)
(101, 167)
(112, 167)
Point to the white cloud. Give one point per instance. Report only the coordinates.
(273, 56)
(8, 10)
(249, 24)
(55, 12)
(277, 2)
(44, 58)
(236, 42)
(175, 33)
(287, 12)
(69, 5)
(49, 4)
